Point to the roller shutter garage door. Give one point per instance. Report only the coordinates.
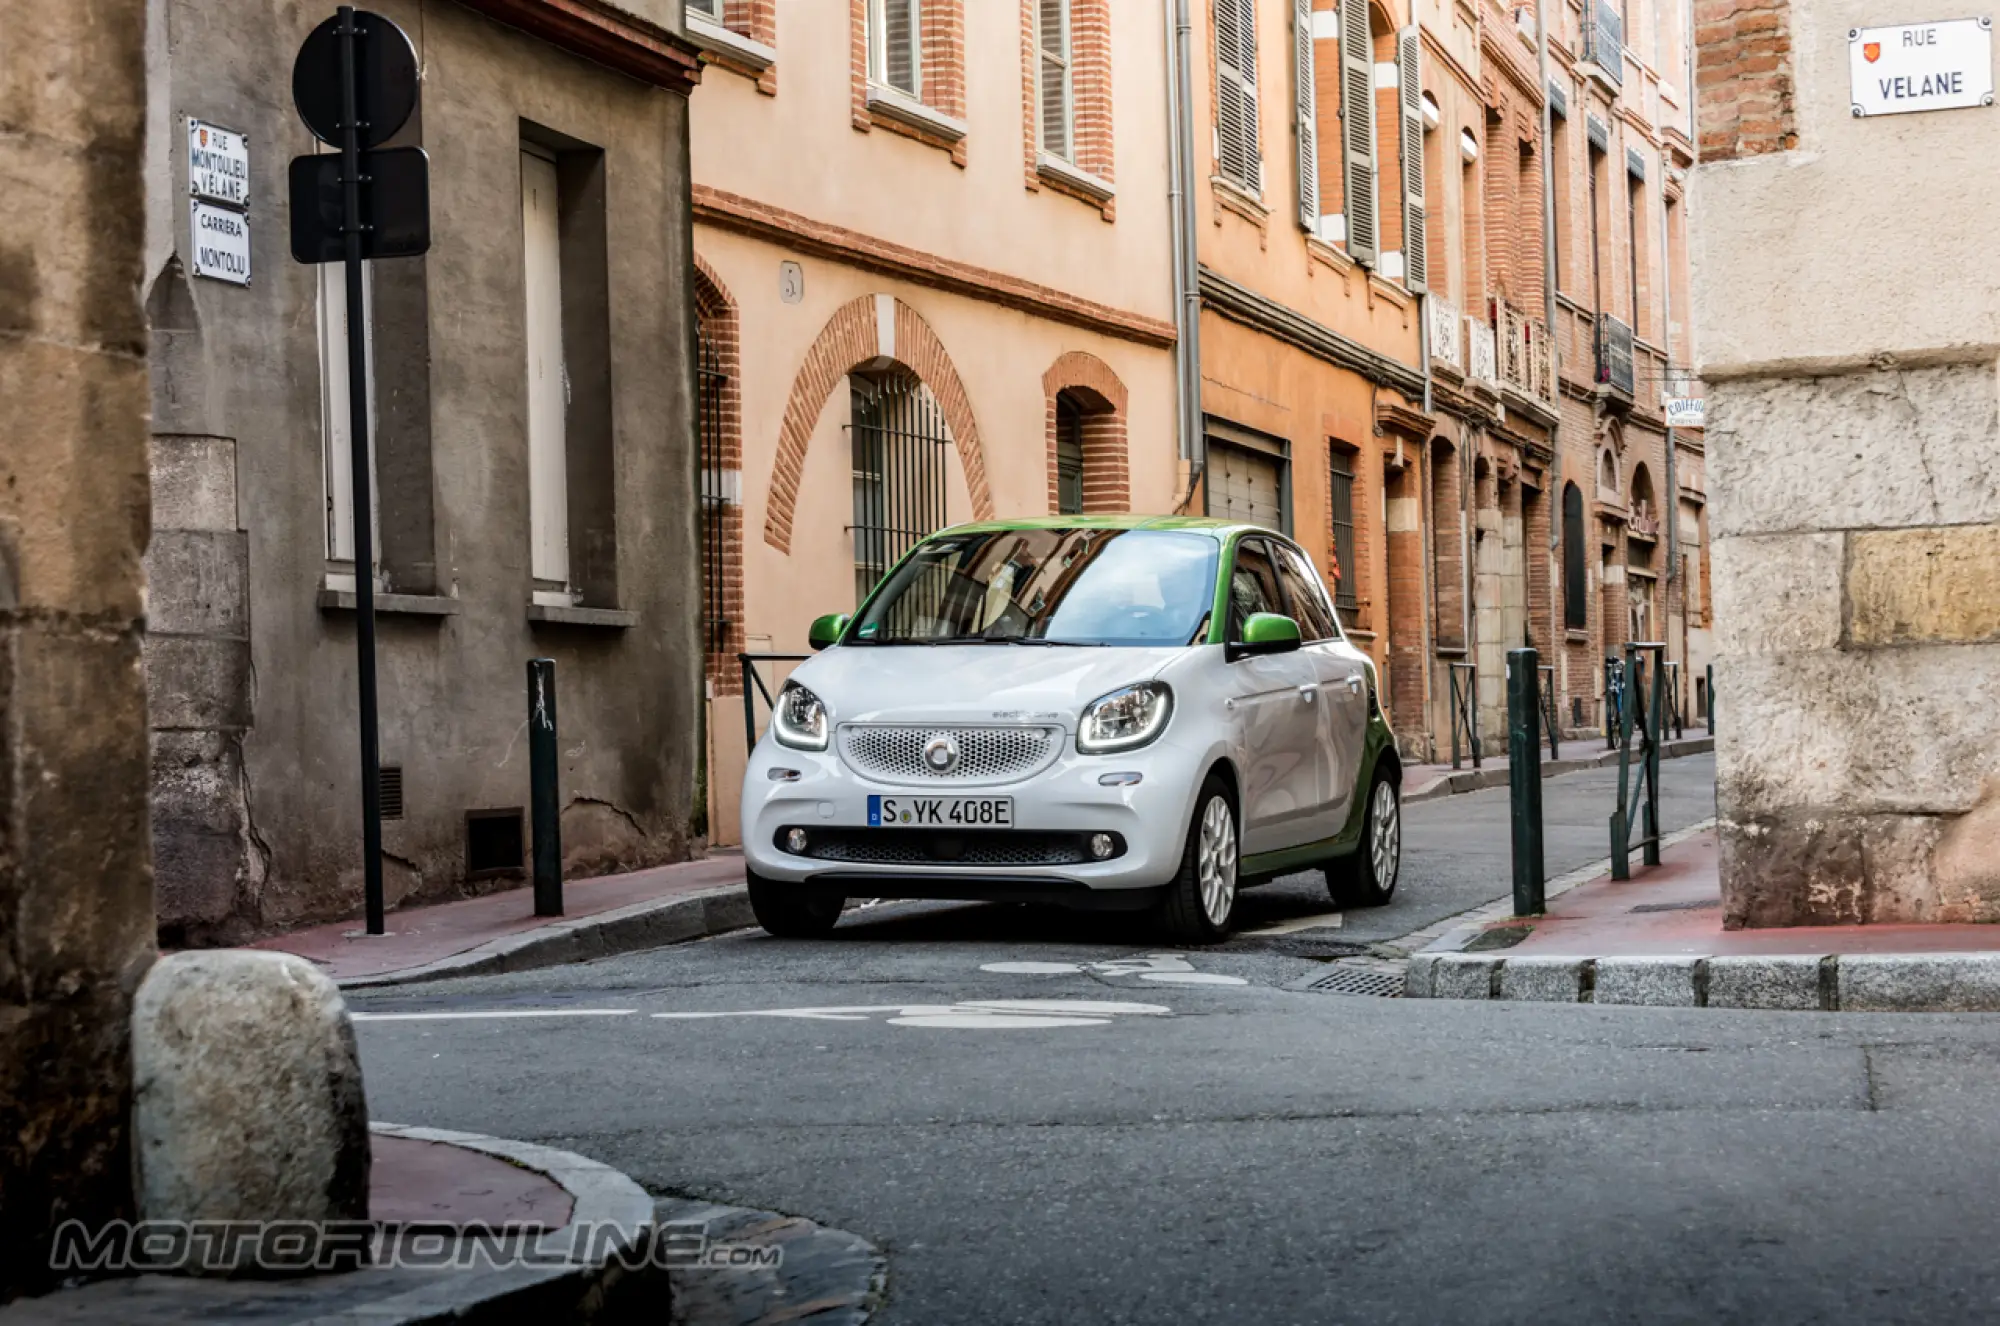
(1246, 481)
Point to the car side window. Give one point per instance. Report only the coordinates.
(1253, 585)
(1308, 599)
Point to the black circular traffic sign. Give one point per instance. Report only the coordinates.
(385, 79)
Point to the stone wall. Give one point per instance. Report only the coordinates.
(76, 904)
(1856, 556)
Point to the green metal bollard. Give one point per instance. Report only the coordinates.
(544, 796)
(1524, 779)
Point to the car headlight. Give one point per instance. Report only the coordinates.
(798, 719)
(1126, 718)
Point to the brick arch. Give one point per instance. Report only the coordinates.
(720, 415)
(1091, 383)
(852, 338)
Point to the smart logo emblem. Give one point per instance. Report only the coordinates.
(941, 754)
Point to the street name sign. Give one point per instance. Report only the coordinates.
(1920, 67)
(218, 164)
(221, 242)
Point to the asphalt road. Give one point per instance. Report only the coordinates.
(1175, 1136)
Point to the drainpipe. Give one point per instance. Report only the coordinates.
(1673, 502)
(1549, 267)
(1187, 272)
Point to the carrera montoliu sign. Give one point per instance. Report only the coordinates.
(1920, 67)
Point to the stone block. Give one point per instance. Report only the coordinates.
(1419, 975)
(1923, 586)
(1871, 450)
(198, 682)
(1544, 980)
(1965, 862)
(1673, 982)
(1908, 730)
(247, 1095)
(197, 583)
(1920, 983)
(1776, 593)
(1463, 976)
(194, 483)
(1764, 981)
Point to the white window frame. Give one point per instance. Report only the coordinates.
(548, 448)
(711, 9)
(336, 437)
(1062, 55)
(878, 46)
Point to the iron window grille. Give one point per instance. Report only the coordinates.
(1604, 39)
(714, 383)
(1069, 457)
(899, 442)
(1340, 466)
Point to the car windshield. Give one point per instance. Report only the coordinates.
(1131, 588)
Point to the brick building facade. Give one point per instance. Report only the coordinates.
(938, 289)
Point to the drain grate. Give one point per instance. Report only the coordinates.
(1380, 982)
(1698, 905)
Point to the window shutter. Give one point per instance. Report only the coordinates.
(900, 41)
(1357, 129)
(1057, 119)
(1306, 111)
(1416, 262)
(1236, 93)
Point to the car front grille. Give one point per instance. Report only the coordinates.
(894, 753)
(931, 847)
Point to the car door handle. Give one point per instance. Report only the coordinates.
(1309, 693)
(1354, 685)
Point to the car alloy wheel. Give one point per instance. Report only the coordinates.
(1215, 861)
(1385, 837)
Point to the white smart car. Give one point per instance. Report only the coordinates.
(1128, 713)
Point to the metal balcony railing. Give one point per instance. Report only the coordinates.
(1614, 354)
(1522, 344)
(1604, 39)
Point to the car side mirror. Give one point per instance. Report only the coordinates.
(1266, 633)
(826, 630)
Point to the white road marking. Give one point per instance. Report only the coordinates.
(971, 1015)
(1166, 968)
(495, 1013)
(1319, 921)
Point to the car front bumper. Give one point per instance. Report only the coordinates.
(1148, 818)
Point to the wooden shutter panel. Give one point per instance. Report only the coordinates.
(1055, 76)
(1236, 93)
(1357, 129)
(1416, 262)
(1306, 114)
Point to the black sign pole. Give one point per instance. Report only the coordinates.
(364, 489)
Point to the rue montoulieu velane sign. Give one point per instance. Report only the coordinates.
(1920, 67)
(218, 166)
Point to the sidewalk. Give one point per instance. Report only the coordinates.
(439, 1180)
(500, 932)
(1658, 939)
(1427, 782)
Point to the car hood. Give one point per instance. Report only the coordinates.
(972, 683)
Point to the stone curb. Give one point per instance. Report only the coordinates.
(642, 925)
(594, 1289)
(1495, 773)
(1825, 983)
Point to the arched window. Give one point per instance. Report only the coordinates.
(1607, 472)
(1575, 608)
(1069, 455)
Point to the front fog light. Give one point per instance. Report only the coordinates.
(1101, 845)
(795, 841)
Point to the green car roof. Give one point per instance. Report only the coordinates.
(1196, 524)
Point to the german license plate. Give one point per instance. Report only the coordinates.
(940, 812)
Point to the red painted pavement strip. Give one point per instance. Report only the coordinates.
(420, 935)
(412, 1181)
(1596, 920)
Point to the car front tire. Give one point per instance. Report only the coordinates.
(1367, 878)
(1200, 903)
(791, 911)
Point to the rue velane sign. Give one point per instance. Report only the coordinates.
(1920, 66)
